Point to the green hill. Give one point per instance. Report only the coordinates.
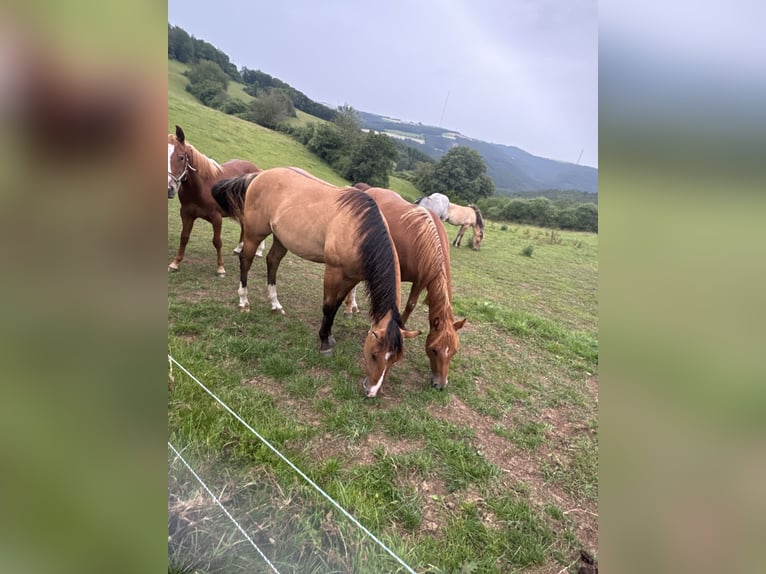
(225, 137)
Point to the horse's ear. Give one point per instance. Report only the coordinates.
(459, 324)
(409, 334)
(180, 134)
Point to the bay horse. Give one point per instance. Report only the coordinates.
(192, 174)
(436, 202)
(424, 259)
(465, 217)
(340, 227)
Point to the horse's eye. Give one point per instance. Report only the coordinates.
(374, 356)
(434, 351)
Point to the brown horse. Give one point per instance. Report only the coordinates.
(340, 227)
(424, 259)
(192, 174)
(465, 217)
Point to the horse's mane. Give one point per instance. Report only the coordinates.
(376, 251)
(479, 220)
(206, 167)
(430, 251)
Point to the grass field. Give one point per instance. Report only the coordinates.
(498, 473)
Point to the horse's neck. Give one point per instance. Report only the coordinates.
(206, 170)
(439, 297)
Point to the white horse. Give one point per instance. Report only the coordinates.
(438, 203)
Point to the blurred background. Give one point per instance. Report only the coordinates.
(83, 306)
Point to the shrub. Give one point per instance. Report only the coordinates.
(527, 251)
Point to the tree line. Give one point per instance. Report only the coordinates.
(541, 211)
(356, 155)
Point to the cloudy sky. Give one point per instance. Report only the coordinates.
(517, 72)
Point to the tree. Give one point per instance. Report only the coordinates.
(459, 174)
(328, 143)
(206, 70)
(272, 108)
(372, 160)
(180, 46)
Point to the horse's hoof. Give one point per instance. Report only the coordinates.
(172, 269)
(326, 352)
(221, 273)
(259, 254)
(244, 308)
(279, 311)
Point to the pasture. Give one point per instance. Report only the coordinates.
(498, 473)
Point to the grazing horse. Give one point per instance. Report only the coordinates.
(340, 227)
(192, 174)
(466, 216)
(436, 202)
(424, 259)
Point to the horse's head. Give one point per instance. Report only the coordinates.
(178, 161)
(442, 343)
(382, 348)
(478, 237)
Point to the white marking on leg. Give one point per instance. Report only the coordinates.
(354, 306)
(275, 306)
(238, 248)
(259, 251)
(242, 291)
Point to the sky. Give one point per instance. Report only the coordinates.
(522, 73)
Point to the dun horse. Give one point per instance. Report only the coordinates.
(192, 174)
(466, 217)
(423, 248)
(340, 227)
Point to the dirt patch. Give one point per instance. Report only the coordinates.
(522, 469)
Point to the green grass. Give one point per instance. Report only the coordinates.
(472, 479)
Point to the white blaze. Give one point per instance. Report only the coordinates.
(171, 147)
(374, 390)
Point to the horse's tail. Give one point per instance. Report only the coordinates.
(229, 194)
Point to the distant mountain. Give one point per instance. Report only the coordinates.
(512, 169)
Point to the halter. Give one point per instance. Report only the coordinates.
(181, 178)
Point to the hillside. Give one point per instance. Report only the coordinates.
(217, 135)
(511, 168)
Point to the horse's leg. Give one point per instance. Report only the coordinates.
(216, 222)
(459, 238)
(245, 261)
(261, 246)
(412, 300)
(273, 259)
(336, 287)
(187, 222)
(238, 248)
(351, 306)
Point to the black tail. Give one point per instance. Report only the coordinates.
(230, 194)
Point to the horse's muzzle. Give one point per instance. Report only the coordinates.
(437, 382)
(171, 192)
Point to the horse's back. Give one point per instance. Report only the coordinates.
(302, 211)
(235, 167)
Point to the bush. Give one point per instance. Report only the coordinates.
(527, 251)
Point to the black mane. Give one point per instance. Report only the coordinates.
(377, 255)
